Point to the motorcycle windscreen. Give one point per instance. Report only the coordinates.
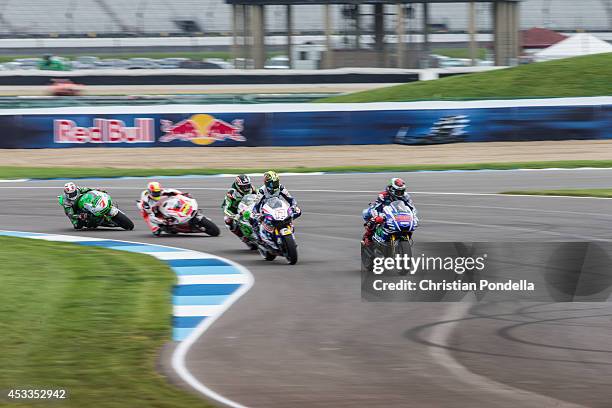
(277, 208)
(275, 202)
(403, 215)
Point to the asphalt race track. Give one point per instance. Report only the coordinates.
(302, 337)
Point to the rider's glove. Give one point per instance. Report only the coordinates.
(379, 219)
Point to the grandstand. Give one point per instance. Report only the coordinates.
(30, 18)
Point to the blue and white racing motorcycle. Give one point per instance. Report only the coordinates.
(400, 221)
(276, 231)
(394, 235)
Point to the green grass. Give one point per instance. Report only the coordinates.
(459, 52)
(88, 320)
(572, 77)
(77, 172)
(583, 192)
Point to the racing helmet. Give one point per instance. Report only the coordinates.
(155, 190)
(271, 182)
(242, 183)
(71, 190)
(396, 187)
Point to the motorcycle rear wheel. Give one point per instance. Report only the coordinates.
(209, 227)
(123, 221)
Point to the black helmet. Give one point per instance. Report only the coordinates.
(242, 183)
(396, 187)
(271, 182)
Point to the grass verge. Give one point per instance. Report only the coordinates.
(13, 172)
(90, 321)
(572, 77)
(582, 192)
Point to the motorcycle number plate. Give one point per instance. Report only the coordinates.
(286, 231)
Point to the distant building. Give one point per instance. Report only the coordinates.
(537, 38)
(574, 46)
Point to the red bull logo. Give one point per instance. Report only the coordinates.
(202, 129)
(104, 131)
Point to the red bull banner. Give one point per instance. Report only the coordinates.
(198, 129)
(104, 131)
(202, 129)
(311, 124)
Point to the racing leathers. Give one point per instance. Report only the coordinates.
(372, 215)
(149, 208)
(77, 218)
(265, 195)
(230, 208)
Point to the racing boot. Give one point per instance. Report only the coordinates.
(232, 225)
(366, 240)
(154, 227)
(78, 224)
(249, 244)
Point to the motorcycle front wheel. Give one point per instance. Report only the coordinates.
(290, 249)
(401, 248)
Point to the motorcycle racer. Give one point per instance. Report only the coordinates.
(395, 190)
(272, 188)
(70, 198)
(150, 200)
(240, 187)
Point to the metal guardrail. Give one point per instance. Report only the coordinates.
(16, 102)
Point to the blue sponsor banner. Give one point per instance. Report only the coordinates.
(304, 127)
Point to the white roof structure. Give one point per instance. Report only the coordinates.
(576, 45)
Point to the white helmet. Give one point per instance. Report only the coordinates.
(71, 190)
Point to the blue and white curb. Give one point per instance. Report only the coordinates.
(205, 282)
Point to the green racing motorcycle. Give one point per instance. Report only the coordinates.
(97, 209)
(245, 211)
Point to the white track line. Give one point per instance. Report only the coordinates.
(523, 229)
(314, 173)
(344, 192)
(178, 357)
(441, 335)
(491, 207)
